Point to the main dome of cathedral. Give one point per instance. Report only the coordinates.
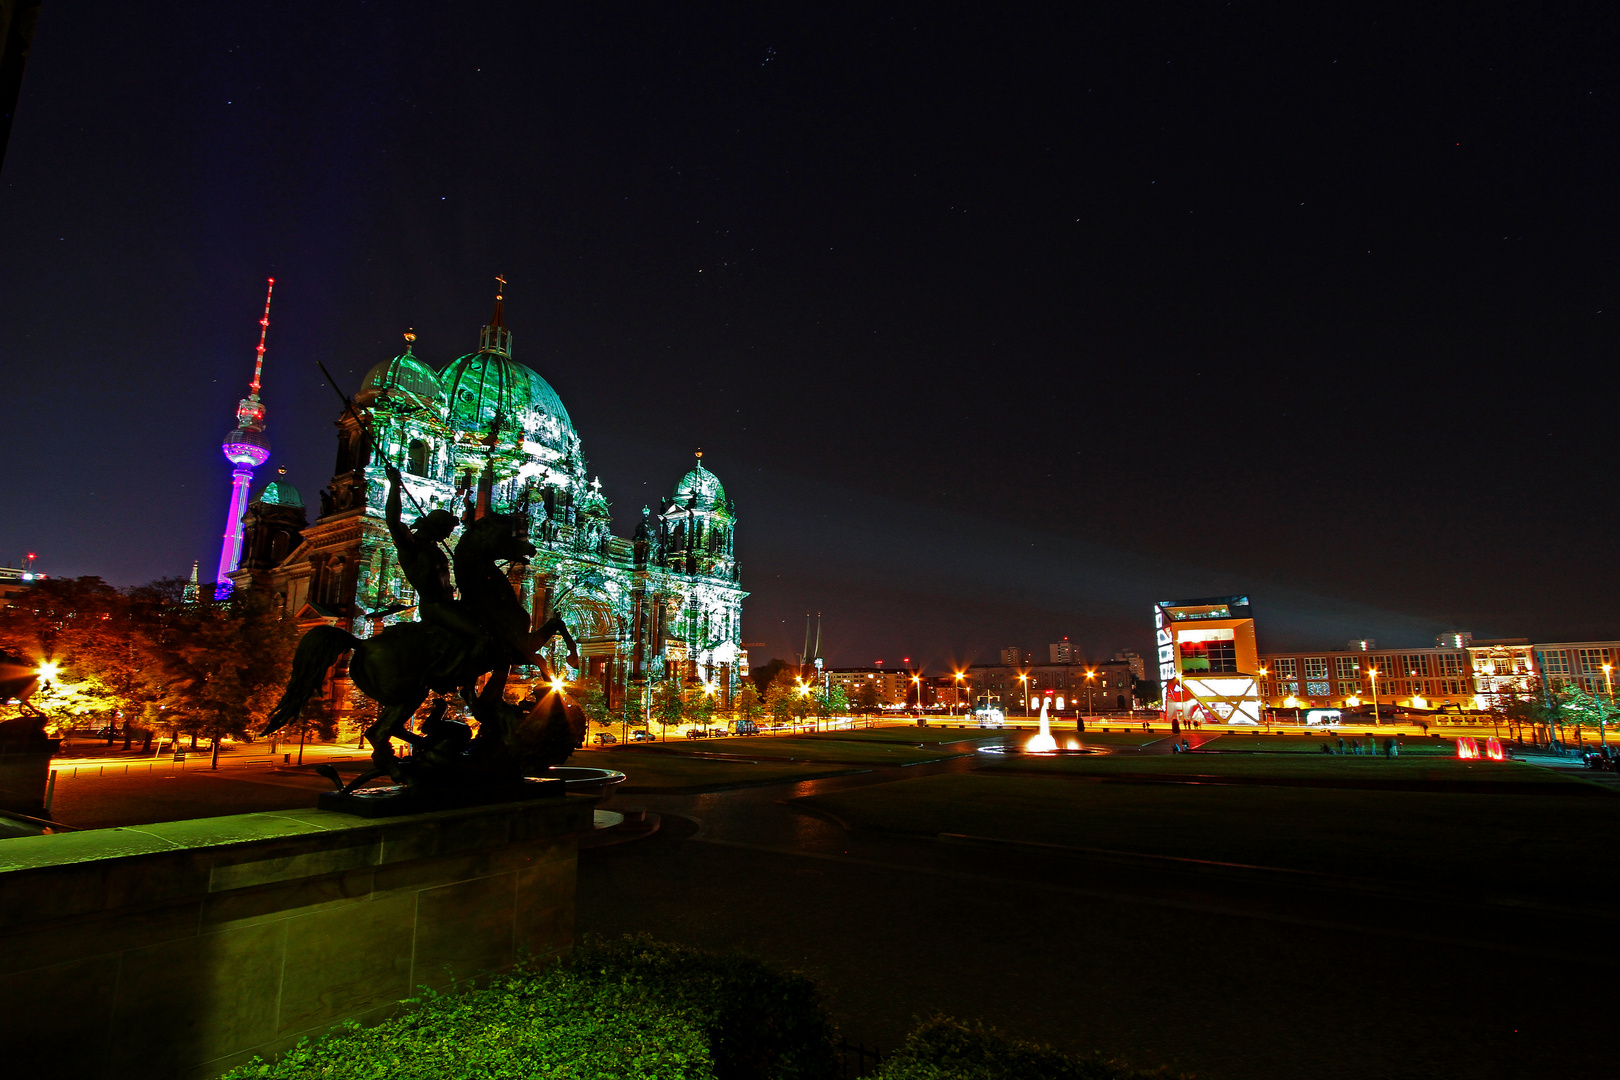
(489, 381)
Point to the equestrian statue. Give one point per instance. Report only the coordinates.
(457, 641)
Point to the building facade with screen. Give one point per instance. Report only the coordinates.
(1208, 660)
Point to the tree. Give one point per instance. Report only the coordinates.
(866, 698)
(750, 705)
(232, 660)
(1587, 710)
(668, 703)
(763, 677)
(592, 697)
(832, 701)
(700, 707)
(786, 698)
(97, 643)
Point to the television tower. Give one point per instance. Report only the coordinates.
(247, 449)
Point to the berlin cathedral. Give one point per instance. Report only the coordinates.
(485, 433)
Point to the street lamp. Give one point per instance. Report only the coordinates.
(1608, 680)
(958, 697)
(1091, 707)
(1024, 678)
(1266, 711)
(1372, 673)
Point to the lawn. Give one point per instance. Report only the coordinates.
(839, 747)
(646, 773)
(1532, 845)
(906, 735)
(1312, 744)
(1297, 768)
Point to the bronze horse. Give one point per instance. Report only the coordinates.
(405, 663)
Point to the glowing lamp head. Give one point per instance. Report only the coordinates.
(48, 670)
(557, 685)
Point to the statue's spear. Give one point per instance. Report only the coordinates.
(348, 407)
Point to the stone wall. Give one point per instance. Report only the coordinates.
(183, 949)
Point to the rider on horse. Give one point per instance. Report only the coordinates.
(423, 562)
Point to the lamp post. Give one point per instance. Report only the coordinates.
(1267, 710)
(958, 699)
(1608, 680)
(1091, 706)
(1372, 673)
(916, 681)
(1024, 678)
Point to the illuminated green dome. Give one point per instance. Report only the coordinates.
(483, 383)
(279, 493)
(403, 381)
(701, 485)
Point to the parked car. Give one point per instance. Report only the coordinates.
(605, 738)
(641, 736)
(696, 733)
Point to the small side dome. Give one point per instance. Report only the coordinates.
(279, 493)
(403, 382)
(701, 486)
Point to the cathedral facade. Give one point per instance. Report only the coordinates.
(485, 433)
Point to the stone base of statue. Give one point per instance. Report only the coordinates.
(375, 802)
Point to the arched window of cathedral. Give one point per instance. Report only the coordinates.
(417, 458)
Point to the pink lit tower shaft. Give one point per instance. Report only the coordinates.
(247, 449)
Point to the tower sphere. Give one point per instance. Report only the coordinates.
(244, 447)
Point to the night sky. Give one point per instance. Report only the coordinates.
(997, 325)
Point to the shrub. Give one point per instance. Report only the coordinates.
(761, 1021)
(634, 1009)
(524, 1024)
(946, 1049)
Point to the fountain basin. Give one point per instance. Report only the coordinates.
(1007, 750)
(579, 780)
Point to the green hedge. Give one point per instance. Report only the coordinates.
(550, 1024)
(628, 1010)
(945, 1049)
(760, 1021)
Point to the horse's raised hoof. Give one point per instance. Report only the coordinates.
(331, 774)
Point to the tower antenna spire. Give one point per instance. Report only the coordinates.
(247, 449)
(264, 328)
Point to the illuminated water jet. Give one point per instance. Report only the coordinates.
(1042, 742)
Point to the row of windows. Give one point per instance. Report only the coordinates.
(1422, 665)
(1572, 661)
(1282, 688)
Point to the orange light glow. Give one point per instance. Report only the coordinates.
(1468, 749)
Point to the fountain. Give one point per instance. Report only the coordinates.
(1042, 742)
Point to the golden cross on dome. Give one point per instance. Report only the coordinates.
(502, 283)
